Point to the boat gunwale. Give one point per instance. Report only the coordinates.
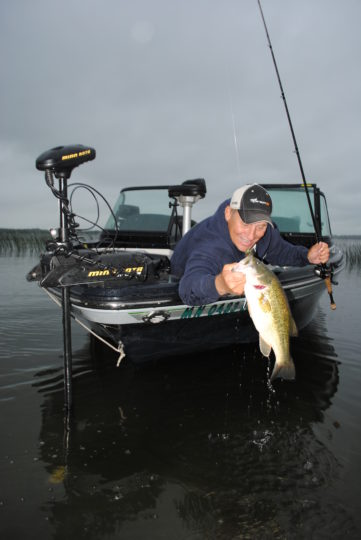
(113, 303)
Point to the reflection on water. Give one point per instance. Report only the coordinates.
(201, 444)
(186, 448)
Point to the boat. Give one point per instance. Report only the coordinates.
(120, 285)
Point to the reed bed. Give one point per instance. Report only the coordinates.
(351, 247)
(29, 241)
(19, 241)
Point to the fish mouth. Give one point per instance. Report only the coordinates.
(247, 259)
(246, 243)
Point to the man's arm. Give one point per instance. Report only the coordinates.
(204, 281)
(283, 253)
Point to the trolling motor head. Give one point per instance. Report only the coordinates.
(61, 160)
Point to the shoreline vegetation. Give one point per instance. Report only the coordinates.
(20, 241)
(30, 241)
(351, 246)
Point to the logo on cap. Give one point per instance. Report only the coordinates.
(255, 201)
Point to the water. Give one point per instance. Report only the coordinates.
(193, 448)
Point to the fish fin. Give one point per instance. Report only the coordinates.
(264, 347)
(264, 303)
(293, 327)
(284, 371)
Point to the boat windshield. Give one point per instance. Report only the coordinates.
(291, 212)
(143, 209)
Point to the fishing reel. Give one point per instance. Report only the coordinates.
(325, 271)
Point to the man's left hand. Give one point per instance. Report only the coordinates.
(319, 253)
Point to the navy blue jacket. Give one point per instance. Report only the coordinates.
(201, 254)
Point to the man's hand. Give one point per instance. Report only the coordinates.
(229, 282)
(319, 253)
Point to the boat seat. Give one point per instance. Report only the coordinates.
(189, 188)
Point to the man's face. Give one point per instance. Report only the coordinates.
(243, 235)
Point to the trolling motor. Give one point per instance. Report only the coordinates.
(60, 162)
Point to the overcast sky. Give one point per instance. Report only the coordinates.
(167, 90)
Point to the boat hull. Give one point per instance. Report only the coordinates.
(149, 341)
(153, 330)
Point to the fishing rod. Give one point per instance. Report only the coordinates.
(325, 273)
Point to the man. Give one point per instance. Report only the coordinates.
(205, 257)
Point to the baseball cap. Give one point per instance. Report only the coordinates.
(253, 203)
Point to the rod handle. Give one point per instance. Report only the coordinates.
(329, 290)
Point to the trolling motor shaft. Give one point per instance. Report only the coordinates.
(60, 161)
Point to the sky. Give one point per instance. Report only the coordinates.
(170, 90)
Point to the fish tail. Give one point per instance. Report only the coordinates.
(284, 371)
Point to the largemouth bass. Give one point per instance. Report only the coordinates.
(268, 307)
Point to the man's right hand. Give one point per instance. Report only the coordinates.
(230, 282)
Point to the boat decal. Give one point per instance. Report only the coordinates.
(127, 272)
(76, 154)
(214, 309)
(96, 273)
(134, 269)
(192, 312)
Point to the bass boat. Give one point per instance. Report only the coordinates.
(120, 287)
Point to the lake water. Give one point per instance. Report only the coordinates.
(193, 448)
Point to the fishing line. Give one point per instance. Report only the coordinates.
(235, 140)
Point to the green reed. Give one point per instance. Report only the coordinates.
(353, 256)
(18, 241)
(351, 247)
(22, 241)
